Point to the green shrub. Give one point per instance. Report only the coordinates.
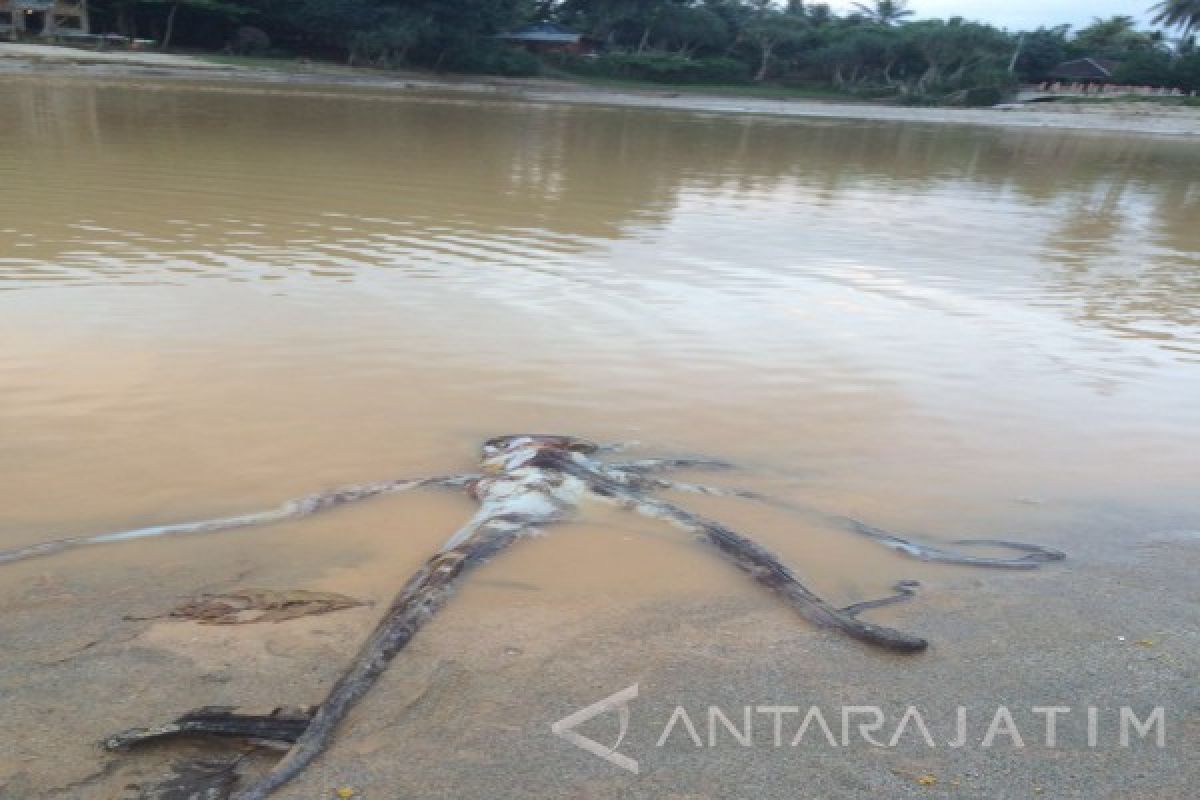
(383, 47)
(980, 96)
(972, 96)
(657, 68)
(1185, 74)
(874, 92)
(490, 58)
(1151, 68)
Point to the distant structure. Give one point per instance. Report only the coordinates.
(45, 19)
(547, 37)
(1084, 77)
(1085, 70)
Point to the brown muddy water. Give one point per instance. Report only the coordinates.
(212, 299)
(216, 298)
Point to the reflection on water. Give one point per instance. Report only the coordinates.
(217, 297)
(257, 187)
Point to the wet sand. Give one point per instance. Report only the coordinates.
(1134, 118)
(465, 711)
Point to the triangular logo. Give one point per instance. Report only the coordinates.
(618, 702)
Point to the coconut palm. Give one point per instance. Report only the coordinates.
(885, 12)
(1115, 37)
(1183, 14)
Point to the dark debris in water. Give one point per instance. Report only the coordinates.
(191, 780)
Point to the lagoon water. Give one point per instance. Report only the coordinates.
(213, 298)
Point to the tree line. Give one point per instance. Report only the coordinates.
(876, 49)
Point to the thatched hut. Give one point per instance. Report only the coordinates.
(1085, 70)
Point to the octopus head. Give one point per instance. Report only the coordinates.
(500, 446)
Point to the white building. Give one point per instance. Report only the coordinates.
(42, 18)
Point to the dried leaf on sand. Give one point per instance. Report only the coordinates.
(242, 606)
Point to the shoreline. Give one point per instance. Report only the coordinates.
(61, 62)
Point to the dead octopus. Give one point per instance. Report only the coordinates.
(527, 482)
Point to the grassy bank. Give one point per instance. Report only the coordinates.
(765, 91)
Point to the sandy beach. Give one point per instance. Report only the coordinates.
(466, 711)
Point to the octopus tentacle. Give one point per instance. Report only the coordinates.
(1034, 555)
(646, 465)
(618, 447)
(425, 593)
(698, 488)
(768, 570)
(905, 590)
(292, 509)
(278, 725)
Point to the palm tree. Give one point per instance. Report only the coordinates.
(1115, 37)
(887, 12)
(1184, 14)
